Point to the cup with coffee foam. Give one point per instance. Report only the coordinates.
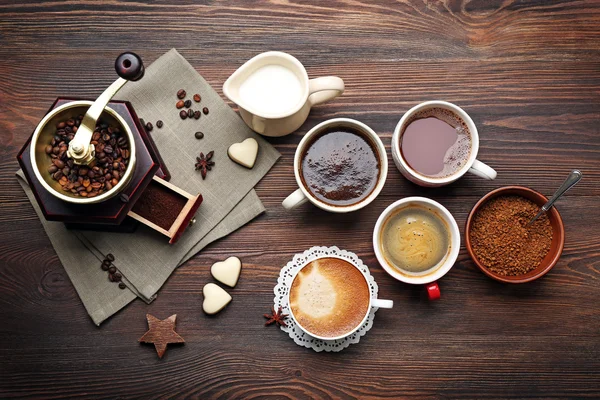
(330, 298)
(418, 259)
(435, 143)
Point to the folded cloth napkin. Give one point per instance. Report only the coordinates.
(144, 258)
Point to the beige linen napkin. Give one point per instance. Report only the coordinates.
(145, 258)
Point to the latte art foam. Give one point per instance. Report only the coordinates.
(329, 297)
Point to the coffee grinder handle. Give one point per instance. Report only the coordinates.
(129, 66)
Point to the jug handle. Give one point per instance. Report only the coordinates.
(324, 89)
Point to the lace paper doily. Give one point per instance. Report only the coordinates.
(282, 288)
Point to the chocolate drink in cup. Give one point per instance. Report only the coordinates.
(436, 143)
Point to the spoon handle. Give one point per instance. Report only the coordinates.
(572, 179)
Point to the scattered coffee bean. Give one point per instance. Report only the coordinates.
(106, 262)
(123, 197)
(205, 110)
(104, 267)
(149, 127)
(159, 124)
(110, 257)
(197, 98)
(197, 114)
(112, 269)
(180, 104)
(187, 103)
(122, 285)
(199, 135)
(118, 276)
(190, 113)
(111, 277)
(183, 114)
(181, 94)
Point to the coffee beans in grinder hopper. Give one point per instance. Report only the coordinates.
(105, 172)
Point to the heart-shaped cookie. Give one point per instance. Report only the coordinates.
(244, 153)
(215, 298)
(228, 271)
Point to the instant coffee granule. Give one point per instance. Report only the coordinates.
(501, 239)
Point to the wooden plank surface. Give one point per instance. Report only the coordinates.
(528, 72)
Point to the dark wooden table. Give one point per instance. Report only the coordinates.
(528, 72)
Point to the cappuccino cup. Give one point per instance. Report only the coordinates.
(435, 143)
(416, 240)
(340, 166)
(330, 298)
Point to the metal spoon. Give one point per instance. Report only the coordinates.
(572, 179)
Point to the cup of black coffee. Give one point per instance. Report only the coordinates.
(435, 143)
(340, 166)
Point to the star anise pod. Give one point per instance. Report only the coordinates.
(276, 317)
(204, 164)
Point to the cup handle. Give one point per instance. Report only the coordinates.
(294, 200)
(433, 291)
(483, 170)
(324, 89)
(381, 303)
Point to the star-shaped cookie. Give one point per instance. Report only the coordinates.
(161, 333)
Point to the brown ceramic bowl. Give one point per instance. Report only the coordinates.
(558, 234)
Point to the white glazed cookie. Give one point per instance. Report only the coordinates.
(244, 153)
(228, 271)
(215, 298)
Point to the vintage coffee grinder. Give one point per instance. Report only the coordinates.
(136, 190)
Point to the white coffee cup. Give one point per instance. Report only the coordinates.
(302, 195)
(472, 165)
(428, 278)
(314, 91)
(373, 302)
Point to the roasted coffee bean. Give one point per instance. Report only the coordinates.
(104, 267)
(197, 98)
(112, 269)
(118, 277)
(110, 257)
(181, 94)
(108, 185)
(190, 113)
(111, 154)
(149, 126)
(205, 110)
(199, 135)
(197, 114)
(180, 104)
(58, 163)
(159, 124)
(124, 198)
(187, 104)
(111, 277)
(122, 285)
(183, 114)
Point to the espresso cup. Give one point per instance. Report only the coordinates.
(471, 165)
(303, 195)
(372, 302)
(428, 278)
